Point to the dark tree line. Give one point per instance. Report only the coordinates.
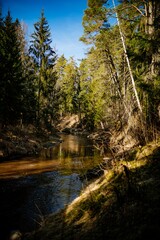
(12, 79)
(116, 84)
(27, 81)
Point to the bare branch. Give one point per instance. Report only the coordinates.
(138, 10)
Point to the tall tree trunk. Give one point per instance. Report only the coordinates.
(127, 60)
(152, 14)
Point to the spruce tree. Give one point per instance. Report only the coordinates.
(44, 57)
(11, 81)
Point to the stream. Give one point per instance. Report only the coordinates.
(32, 188)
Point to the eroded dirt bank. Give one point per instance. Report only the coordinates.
(16, 142)
(19, 141)
(122, 204)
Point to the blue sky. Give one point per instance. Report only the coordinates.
(64, 18)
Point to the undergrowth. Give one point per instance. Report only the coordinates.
(123, 204)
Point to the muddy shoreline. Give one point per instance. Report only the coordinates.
(16, 142)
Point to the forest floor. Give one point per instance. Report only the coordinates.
(122, 204)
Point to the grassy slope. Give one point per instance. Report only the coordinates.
(122, 204)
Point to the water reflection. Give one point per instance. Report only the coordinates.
(74, 154)
(34, 187)
(70, 147)
(25, 201)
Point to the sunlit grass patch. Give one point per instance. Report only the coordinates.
(122, 204)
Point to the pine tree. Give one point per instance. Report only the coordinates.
(11, 82)
(107, 55)
(69, 87)
(44, 57)
(59, 68)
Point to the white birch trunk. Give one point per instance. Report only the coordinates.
(127, 59)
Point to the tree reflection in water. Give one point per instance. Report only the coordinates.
(32, 188)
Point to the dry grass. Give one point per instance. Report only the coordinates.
(118, 205)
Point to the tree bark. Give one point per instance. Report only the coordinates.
(127, 60)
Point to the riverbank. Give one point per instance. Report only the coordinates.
(124, 203)
(17, 142)
(20, 141)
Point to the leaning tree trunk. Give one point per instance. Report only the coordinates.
(127, 60)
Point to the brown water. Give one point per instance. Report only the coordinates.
(32, 188)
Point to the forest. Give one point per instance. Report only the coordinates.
(115, 89)
(118, 80)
